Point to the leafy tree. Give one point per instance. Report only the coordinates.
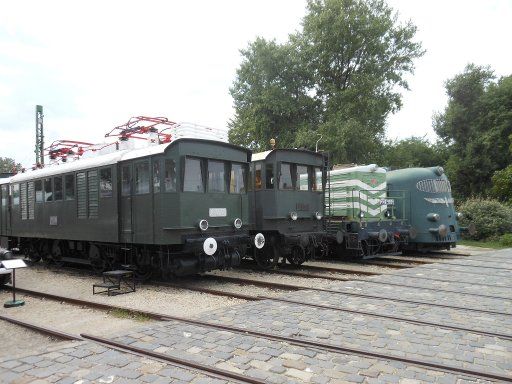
(502, 184)
(476, 125)
(8, 165)
(413, 152)
(339, 76)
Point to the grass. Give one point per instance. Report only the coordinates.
(126, 314)
(494, 244)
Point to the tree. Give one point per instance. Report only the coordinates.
(476, 125)
(270, 97)
(8, 165)
(413, 152)
(339, 76)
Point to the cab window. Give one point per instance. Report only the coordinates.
(237, 178)
(69, 181)
(39, 191)
(269, 176)
(302, 178)
(216, 176)
(106, 182)
(316, 179)
(142, 178)
(193, 178)
(170, 175)
(257, 176)
(126, 179)
(48, 192)
(156, 176)
(285, 177)
(57, 185)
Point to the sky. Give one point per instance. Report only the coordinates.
(92, 65)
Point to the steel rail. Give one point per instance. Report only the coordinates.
(467, 272)
(390, 317)
(300, 341)
(473, 266)
(225, 374)
(215, 292)
(453, 281)
(434, 289)
(40, 329)
(272, 336)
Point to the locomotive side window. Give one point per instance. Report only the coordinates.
(15, 191)
(193, 179)
(317, 179)
(257, 176)
(69, 182)
(216, 176)
(237, 178)
(285, 176)
(170, 175)
(126, 180)
(57, 186)
(269, 176)
(106, 182)
(4, 195)
(48, 192)
(156, 176)
(142, 178)
(302, 181)
(39, 191)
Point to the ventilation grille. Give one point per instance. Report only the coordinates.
(93, 194)
(434, 186)
(81, 194)
(23, 201)
(31, 200)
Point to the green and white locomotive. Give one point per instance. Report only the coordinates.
(360, 215)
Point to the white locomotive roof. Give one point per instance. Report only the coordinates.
(260, 156)
(92, 162)
(360, 168)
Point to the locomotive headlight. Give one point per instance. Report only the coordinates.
(459, 215)
(361, 215)
(237, 223)
(318, 216)
(259, 240)
(294, 216)
(433, 216)
(203, 225)
(387, 213)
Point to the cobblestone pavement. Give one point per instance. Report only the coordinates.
(421, 295)
(467, 286)
(274, 361)
(282, 362)
(446, 316)
(86, 362)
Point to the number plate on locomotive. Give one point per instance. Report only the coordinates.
(387, 202)
(218, 212)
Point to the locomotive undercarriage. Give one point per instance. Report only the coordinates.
(165, 261)
(295, 248)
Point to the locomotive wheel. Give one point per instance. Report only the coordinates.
(370, 247)
(57, 252)
(144, 270)
(97, 259)
(297, 255)
(322, 251)
(32, 254)
(267, 257)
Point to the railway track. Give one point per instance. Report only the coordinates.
(294, 340)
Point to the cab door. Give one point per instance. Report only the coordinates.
(125, 203)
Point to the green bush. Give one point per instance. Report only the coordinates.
(506, 240)
(491, 218)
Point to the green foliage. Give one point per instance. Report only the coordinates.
(506, 240)
(338, 77)
(8, 165)
(502, 184)
(476, 125)
(412, 152)
(491, 218)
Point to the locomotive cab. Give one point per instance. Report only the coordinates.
(287, 205)
(429, 207)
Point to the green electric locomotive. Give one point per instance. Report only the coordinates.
(177, 208)
(428, 207)
(287, 205)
